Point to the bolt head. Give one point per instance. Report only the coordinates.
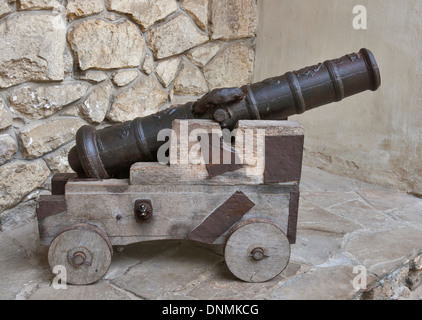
(79, 258)
(258, 254)
(143, 211)
(220, 115)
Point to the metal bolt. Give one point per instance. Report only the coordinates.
(258, 254)
(79, 258)
(143, 212)
(220, 115)
(143, 209)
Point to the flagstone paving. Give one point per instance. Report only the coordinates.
(347, 230)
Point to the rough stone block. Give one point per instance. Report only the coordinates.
(148, 66)
(19, 178)
(39, 102)
(93, 76)
(83, 8)
(5, 116)
(174, 37)
(190, 80)
(233, 19)
(231, 67)
(104, 45)
(95, 107)
(166, 70)
(4, 8)
(32, 48)
(57, 161)
(40, 138)
(38, 4)
(143, 12)
(144, 97)
(203, 54)
(124, 77)
(198, 10)
(8, 148)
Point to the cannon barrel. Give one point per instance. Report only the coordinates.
(111, 151)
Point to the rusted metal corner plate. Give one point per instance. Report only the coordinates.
(225, 216)
(293, 215)
(283, 158)
(50, 206)
(58, 182)
(220, 168)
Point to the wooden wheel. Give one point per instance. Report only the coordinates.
(256, 250)
(85, 252)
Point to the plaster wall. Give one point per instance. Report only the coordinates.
(375, 137)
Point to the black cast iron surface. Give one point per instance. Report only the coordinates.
(110, 152)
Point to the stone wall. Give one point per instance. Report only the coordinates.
(64, 64)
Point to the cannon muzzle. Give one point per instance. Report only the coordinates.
(111, 151)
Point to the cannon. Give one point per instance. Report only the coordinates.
(110, 152)
(120, 194)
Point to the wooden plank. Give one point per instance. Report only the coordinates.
(178, 209)
(156, 173)
(184, 142)
(272, 127)
(153, 173)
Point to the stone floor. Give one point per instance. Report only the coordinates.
(346, 229)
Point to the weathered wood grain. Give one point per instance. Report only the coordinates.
(85, 253)
(184, 144)
(178, 209)
(156, 173)
(257, 250)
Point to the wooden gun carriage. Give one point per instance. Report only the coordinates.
(249, 205)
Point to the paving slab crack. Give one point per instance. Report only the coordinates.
(130, 294)
(29, 288)
(194, 283)
(318, 230)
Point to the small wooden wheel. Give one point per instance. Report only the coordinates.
(256, 250)
(84, 250)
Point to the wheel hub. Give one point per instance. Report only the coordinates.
(79, 256)
(258, 254)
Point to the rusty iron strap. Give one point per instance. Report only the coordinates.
(225, 216)
(50, 205)
(218, 151)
